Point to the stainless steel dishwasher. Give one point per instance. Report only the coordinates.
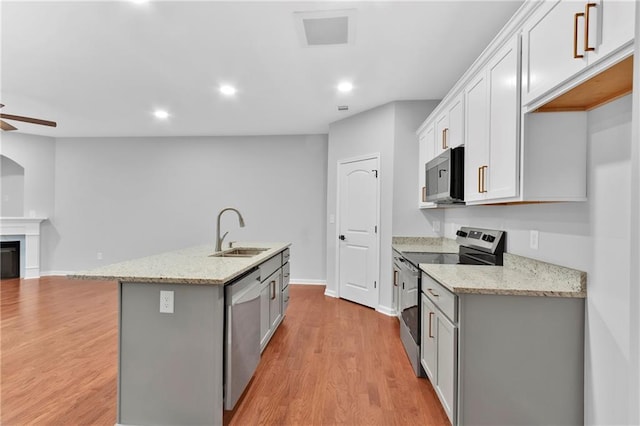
(242, 335)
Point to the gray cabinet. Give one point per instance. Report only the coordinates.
(275, 299)
(438, 348)
(274, 274)
(497, 359)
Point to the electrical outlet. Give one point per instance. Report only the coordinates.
(166, 302)
(99, 255)
(533, 240)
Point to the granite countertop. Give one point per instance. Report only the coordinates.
(188, 266)
(424, 244)
(520, 276)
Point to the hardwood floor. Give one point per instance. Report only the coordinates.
(330, 362)
(59, 351)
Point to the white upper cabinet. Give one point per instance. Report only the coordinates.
(492, 128)
(565, 36)
(476, 139)
(503, 78)
(611, 26)
(426, 151)
(450, 126)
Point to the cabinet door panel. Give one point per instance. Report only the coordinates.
(428, 341)
(549, 46)
(476, 137)
(426, 152)
(504, 112)
(455, 132)
(442, 124)
(611, 25)
(275, 307)
(447, 338)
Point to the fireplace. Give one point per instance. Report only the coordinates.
(27, 231)
(10, 259)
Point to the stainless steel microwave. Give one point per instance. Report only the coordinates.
(444, 177)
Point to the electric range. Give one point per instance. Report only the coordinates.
(477, 246)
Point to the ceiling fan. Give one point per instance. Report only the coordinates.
(6, 126)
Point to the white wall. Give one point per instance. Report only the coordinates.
(132, 197)
(11, 187)
(375, 131)
(634, 252)
(36, 154)
(593, 236)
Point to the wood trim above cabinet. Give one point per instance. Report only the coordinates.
(607, 86)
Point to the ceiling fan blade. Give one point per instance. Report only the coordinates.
(29, 120)
(6, 126)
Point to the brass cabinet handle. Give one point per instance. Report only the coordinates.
(575, 35)
(424, 194)
(586, 27)
(430, 290)
(479, 180)
(430, 333)
(273, 290)
(484, 178)
(446, 137)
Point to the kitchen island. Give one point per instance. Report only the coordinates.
(171, 364)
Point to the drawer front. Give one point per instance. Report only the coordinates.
(445, 300)
(269, 267)
(285, 256)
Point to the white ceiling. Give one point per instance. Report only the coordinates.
(101, 68)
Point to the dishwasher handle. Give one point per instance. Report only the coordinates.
(251, 293)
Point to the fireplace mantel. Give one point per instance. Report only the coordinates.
(30, 228)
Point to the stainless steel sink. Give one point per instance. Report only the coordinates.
(240, 252)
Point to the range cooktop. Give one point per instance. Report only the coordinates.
(415, 258)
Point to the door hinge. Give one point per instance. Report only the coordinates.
(375, 172)
(375, 284)
(375, 229)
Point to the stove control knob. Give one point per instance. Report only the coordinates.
(461, 233)
(488, 238)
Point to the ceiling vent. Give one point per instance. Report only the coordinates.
(325, 27)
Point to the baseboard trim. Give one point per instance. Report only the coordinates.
(387, 311)
(330, 293)
(307, 282)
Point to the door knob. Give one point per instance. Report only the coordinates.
(341, 237)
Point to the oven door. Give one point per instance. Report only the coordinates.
(409, 297)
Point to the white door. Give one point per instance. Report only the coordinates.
(358, 207)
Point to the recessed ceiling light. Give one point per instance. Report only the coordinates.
(227, 90)
(345, 87)
(161, 114)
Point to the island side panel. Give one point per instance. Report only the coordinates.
(521, 360)
(171, 365)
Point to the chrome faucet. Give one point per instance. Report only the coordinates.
(218, 239)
